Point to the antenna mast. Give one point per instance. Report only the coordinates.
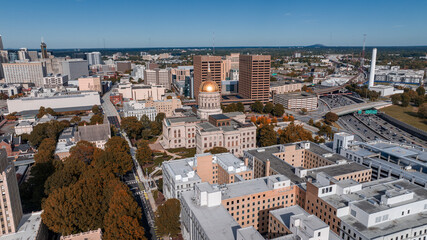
(213, 42)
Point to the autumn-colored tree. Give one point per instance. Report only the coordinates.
(116, 157)
(311, 122)
(84, 151)
(266, 136)
(122, 218)
(253, 119)
(285, 118)
(304, 111)
(144, 154)
(159, 117)
(396, 98)
(291, 118)
(331, 117)
(45, 130)
(167, 218)
(274, 120)
(294, 133)
(45, 151)
(406, 99)
(155, 128)
(42, 112)
(217, 150)
(75, 119)
(65, 176)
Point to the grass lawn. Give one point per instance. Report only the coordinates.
(184, 152)
(407, 115)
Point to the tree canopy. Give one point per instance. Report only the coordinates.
(217, 150)
(294, 133)
(167, 218)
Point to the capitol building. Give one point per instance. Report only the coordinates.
(209, 98)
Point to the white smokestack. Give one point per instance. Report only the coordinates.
(373, 62)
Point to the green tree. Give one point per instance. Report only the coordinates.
(331, 117)
(132, 127)
(422, 111)
(159, 117)
(257, 106)
(42, 112)
(75, 119)
(145, 122)
(84, 151)
(96, 119)
(116, 158)
(155, 128)
(240, 107)
(217, 150)
(266, 135)
(167, 218)
(418, 101)
(268, 108)
(421, 91)
(396, 98)
(278, 110)
(406, 99)
(144, 154)
(95, 109)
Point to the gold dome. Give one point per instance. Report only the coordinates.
(209, 86)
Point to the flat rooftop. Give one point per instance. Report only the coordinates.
(27, 229)
(339, 169)
(249, 187)
(216, 222)
(284, 216)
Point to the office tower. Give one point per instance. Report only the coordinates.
(201, 71)
(75, 68)
(23, 54)
(158, 77)
(13, 56)
(4, 58)
(43, 49)
(33, 55)
(31, 72)
(94, 58)
(254, 77)
(1, 43)
(11, 202)
(123, 66)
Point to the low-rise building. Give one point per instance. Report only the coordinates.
(295, 223)
(281, 87)
(97, 134)
(141, 91)
(393, 74)
(386, 159)
(66, 141)
(24, 127)
(166, 106)
(91, 83)
(182, 175)
(223, 131)
(59, 102)
(53, 81)
(297, 100)
(30, 227)
(138, 109)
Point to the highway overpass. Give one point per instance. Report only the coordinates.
(360, 106)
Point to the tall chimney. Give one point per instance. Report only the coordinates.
(372, 72)
(267, 168)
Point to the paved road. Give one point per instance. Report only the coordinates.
(108, 107)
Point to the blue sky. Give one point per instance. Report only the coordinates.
(182, 23)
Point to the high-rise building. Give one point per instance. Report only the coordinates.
(33, 55)
(44, 49)
(254, 77)
(123, 66)
(94, 58)
(158, 77)
(30, 72)
(11, 202)
(13, 56)
(23, 54)
(75, 68)
(1, 43)
(4, 58)
(201, 71)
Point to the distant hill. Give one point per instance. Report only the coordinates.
(316, 46)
